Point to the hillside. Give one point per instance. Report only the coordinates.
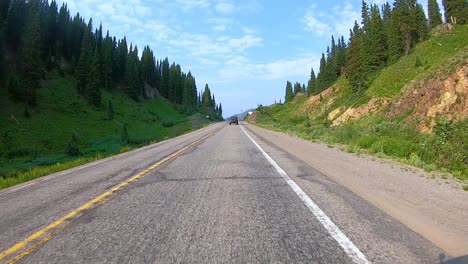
(71, 93)
(414, 110)
(36, 141)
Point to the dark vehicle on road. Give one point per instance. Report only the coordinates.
(234, 120)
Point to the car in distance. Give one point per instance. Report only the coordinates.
(234, 120)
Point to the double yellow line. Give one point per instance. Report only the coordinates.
(35, 240)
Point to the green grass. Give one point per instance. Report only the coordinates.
(446, 149)
(34, 146)
(435, 54)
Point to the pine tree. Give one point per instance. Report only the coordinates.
(220, 111)
(82, 70)
(108, 53)
(4, 6)
(312, 84)
(165, 78)
(321, 78)
(340, 57)
(456, 10)
(297, 88)
(148, 66)
(405, 14)
(63, 26)
(110, 111)
(30, 61)
(395, 42)
(122, 57)
(51, 31)
(289, 92)
(15, 24)
(355, 67)
(375, 45)
(133, 79)
(435, 17)
(365, 16)
(422, 23)
(93, 92)
(206, 97)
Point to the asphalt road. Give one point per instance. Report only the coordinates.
(223, 200)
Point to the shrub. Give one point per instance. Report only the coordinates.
(168, 123)
(125, 137)
(72, 147)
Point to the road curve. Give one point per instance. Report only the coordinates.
(224, 199)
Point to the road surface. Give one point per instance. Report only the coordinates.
(221, 194)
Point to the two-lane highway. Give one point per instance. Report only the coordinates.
(227, 196)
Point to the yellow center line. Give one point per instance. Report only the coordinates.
(22, 244)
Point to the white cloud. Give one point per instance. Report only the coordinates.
(220, 23)
(337, 22)
(240, 67)
(188, 5)
(312, 23)
(225, 8)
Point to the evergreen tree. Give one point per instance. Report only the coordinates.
(422, 23)
(63, 26)
(165, 78)
(289, 92)
(110, 111)
(4, 6)
(297, 88)
(220, 111)
(365, 15)
(51, 31)
(312, 84)
(206, 97)
(148, 66)
(93, 92)
(133, 79)
(82, 70)
(108, 53)
(340, 57)
(375, 45)
(456, 10)
(30, 62)
(435, 17)
(122, 57)
(321, 82)
(15, 24)
(355, 67)
(405, 14)
(395, 42)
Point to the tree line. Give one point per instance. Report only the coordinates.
(37, 37)
(384, 36)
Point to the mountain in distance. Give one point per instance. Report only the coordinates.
(242, 116)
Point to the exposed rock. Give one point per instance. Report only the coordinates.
(151, 92)
(333, 114)
(432, 99)
(374, 105)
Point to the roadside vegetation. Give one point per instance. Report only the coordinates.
(64, 132)
(363, 96)
(71, 93)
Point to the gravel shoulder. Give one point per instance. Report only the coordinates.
(435, 209)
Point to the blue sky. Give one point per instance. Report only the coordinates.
(244, 49)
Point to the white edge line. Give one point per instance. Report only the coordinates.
(351, 250)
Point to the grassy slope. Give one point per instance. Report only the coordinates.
(445, 149)
(35, 146)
